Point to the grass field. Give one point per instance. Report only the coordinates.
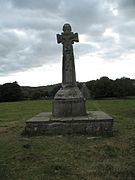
(70, 157)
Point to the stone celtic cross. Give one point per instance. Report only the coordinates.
(68, 106)
(68, 101)
(67, 38)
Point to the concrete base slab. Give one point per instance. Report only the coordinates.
(95, 122)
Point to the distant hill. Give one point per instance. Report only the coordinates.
(100, 88)
(40, 91)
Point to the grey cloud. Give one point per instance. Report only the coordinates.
(28, 30)
(87, 14)
(28, 52)
(34, 4)
(127, 6)
(83, 48)
(28, 19)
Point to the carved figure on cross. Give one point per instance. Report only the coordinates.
(67, 38)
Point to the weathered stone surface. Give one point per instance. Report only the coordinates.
(85, 91)
(69, 100)
(69, 93)
(68, 107)
(95, 122)
(67, 38)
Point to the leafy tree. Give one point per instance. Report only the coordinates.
(90, 85)
(0, 94)
(54, 90)
(103, 87)
(123, 87)
(11, 92)
(79, 85)
(36, 95)
(39, 94)
(44, 94)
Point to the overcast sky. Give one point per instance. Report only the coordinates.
(30, 55)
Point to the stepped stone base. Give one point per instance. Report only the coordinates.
(95, 122)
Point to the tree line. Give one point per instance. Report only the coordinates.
(105, 87)
(100, 88)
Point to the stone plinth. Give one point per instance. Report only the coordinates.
(95, 122)
(68, 107)
(68, 102)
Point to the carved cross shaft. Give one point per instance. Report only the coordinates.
(67, 38)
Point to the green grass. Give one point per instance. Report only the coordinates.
(69, 157)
